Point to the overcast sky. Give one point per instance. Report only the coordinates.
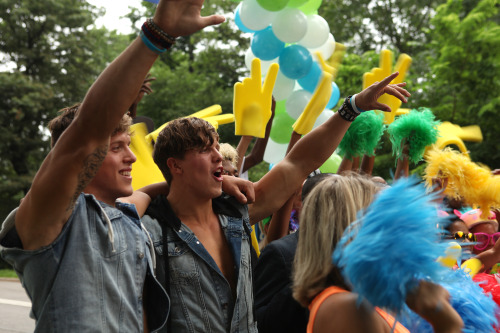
(115, 9)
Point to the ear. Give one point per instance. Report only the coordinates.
(174, 166)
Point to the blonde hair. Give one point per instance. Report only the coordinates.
(228, 153)
(327, 211)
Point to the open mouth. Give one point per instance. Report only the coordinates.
(218, 173)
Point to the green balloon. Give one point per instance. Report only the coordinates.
(331, 165)
(281, 132)
(311, 7)
(296, 3)
(273, 5)
(280, 107)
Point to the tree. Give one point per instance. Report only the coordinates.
(198, 71)
(56, 54)
(372, 25)
(465, 80)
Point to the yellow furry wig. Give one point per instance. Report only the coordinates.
(466, 179)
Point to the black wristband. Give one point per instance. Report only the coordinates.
(346, 111)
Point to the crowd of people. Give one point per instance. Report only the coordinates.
(94, 255)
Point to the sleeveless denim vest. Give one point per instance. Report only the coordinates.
(201, 297)
(94, 276)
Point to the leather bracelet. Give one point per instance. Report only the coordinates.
(346, 110)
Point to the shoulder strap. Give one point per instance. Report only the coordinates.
(317, 301)
(161, 211)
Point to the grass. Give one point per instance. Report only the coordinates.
(8, 273)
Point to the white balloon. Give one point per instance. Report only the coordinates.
(283, 87)
(323, 116)
(296, 103)
(290, 25)
(317, 32)
(254, 17)
(264, 65)
(326, 50)
(274, 152)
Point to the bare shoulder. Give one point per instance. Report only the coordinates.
(341, 313)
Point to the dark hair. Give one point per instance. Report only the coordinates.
(59, 124)
(311, 182)
(178, 137)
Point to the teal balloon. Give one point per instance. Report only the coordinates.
(273, 5)
(310, 81)
(265, 45)
(295, 61)
(331, 165)
(334, 97)
(281, 131)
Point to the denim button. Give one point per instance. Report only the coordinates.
(141, 255)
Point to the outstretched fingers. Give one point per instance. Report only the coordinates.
(398, 92)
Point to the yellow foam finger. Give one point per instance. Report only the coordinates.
(144, 170)
(316, 105)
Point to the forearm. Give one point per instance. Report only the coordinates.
(115, 89)
(315, 148)
(242, 149)
(367, 164)
(280, 221)
(345, 166)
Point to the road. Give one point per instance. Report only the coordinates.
(14, 308)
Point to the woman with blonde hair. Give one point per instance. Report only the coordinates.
(327, 211)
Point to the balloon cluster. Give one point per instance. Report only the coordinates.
(290, 33)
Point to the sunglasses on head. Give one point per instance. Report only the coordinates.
(460, 235)
(484, 239)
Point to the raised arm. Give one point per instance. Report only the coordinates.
(313, 149)
(78, 154)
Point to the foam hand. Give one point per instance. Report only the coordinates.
(252, 101)
(210, 114)
(316, 105)
(451, 134)
(144, 171)
(385, 69)
(336, 58)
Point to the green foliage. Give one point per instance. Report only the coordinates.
(8, 273)
(56, 54)
(199, 71)
(376, 24)
(465, 71)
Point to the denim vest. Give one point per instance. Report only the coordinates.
(201, 297)
(90, 279)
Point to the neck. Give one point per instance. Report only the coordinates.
(189, 207)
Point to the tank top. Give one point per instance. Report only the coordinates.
(321, 297)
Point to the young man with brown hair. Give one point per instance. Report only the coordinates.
(204, 241)
(83, 259)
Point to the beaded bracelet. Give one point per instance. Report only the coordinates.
(346, 111)
(157, 30)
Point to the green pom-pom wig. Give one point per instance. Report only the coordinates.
(419, 129)
(363, 135)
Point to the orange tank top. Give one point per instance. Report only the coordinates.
(321, 297)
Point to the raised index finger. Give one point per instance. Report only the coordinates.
(387, 80)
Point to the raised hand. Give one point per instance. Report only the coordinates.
(183, 17)
(252, 101)
(377, 74)
(369, 98)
